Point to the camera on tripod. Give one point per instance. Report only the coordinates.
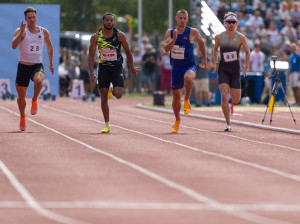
(274, 59)
(277, 84)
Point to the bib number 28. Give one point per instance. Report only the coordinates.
(34, 48)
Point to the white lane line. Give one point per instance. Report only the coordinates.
(185, 190)
(239, 161)
(211, 132)
(152, 206)
(244, 123)
(31, 202)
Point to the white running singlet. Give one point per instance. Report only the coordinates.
(31, 47)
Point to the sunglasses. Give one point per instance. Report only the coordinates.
(231, 22)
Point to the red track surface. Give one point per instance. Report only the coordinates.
(61, 170)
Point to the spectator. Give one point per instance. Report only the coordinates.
(289, 32)
(257, 59)
(244, 10)
(136, 80)
(283, 12)
(248, 31)
(256, 20)
(166, 73)
(214, 5)
(261, 8)
(242, 20)
(274, 14)
(84, 69)
(294, 78)
(236, 6)
(273, 2)
(261, 32)
(221, 12)
(201, 81)
(295, 12)
(149, 63)
(274, 34)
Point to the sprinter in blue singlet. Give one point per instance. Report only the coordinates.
(180, 43)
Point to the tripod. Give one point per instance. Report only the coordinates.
(275, 91)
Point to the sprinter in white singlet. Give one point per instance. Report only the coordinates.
(30, 38)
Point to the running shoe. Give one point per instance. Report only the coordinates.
(110, 89)
(175, 127)
(228, 128)
(187, 107)
(23, 123)
(106, 129)
(34, 107)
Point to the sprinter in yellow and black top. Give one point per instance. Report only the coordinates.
(230, 42)
(109, 41)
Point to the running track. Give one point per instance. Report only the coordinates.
(61, 170)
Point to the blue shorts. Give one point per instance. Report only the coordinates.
(178, 76)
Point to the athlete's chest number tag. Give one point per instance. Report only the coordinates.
(230, 56)
(34, 48)
(178, 52)
(108, 54)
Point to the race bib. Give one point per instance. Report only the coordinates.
(34, 48)
(177, 52)
(230, 56)
(108, 54)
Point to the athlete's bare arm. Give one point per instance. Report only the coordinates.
(18, 36)
(215, 52)
(169, 43)
(49, 49)
(92, 51)
(196, 35)
(122, 39)
(247, 51)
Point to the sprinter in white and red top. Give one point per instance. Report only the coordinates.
(30, 39)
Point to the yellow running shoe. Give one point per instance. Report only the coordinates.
(23, 123)
(175, 127)
(110, 89)
(187, 107)
(106, 129)
(34, 107)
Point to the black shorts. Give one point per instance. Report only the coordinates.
(85, 76)
(229, 76)
(110, 74)
(26, 72)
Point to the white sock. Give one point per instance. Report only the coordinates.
(107, 123)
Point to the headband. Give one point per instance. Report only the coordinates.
(231, 17)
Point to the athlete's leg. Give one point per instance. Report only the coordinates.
(104, 103)
(176, 104)
(235, 95)
(188, 83)
(224, 89)
(38, 79)
(118, 92)
(21, 99)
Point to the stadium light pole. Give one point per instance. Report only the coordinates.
(140, 21)
(170, 14)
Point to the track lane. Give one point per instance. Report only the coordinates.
(120, 135)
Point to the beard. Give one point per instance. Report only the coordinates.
(108, 28)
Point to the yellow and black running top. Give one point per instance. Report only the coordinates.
(109, 49)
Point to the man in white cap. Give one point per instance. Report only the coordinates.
(229, 79)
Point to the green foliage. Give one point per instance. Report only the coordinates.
(86, 15)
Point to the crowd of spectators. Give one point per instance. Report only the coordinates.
(270, 28)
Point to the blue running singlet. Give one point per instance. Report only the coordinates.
(182, 58)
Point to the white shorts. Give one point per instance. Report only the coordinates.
(294, 80)
(201, 85)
